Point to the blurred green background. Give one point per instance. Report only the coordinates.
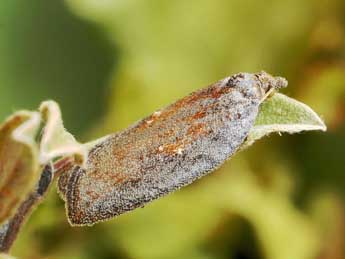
(110, 62)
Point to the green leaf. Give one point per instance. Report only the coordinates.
(19, 168)
(280, 113)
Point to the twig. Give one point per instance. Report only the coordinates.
(9, 231)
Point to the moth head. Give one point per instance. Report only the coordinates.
(259, 85)
(268, 84)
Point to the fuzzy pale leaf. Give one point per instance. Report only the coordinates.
(280, 113)
(56, 141)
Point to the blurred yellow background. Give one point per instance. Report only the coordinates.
(111, 62)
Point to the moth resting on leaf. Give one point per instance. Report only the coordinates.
(167, 150)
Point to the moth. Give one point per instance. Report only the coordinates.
(167, 150)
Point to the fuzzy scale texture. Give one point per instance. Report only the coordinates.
(167, 150)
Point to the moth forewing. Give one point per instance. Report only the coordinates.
(167, 150)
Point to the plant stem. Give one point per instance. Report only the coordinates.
(12, 227)
(9, 230)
